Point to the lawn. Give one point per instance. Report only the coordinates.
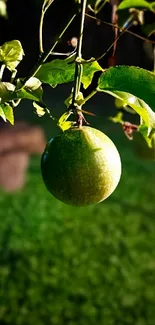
(62, 265)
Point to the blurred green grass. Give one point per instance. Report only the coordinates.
(80, 266)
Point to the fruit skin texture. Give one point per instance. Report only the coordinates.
(81, 166)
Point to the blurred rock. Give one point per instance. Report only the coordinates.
(17, 143)
(22, 136)
(13, 166)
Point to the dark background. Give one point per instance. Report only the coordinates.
(23, 24)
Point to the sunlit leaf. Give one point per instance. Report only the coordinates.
(6, 91)
(122, 82)
(39, 109)
(121, 104)
(11, 53)
(139, 4)
(8, 111)
(64, 117)
(32, 90)
(56, 72)
(63, 123)
(88, 72)
(60, 71)
(66, 125)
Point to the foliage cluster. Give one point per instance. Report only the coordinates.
(133, 86)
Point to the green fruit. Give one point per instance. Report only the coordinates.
(81, 166)
(141, 147)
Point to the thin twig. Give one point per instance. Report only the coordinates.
(45, 56)
(111, 46)
(45, 6)
(13, 75)
(41, 32)
(64, 54)
(78, 66)
(126, 30)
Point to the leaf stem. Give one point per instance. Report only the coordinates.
(13, 75)
(45, 6)
(41, 31)
(2, 68)
(78, 65)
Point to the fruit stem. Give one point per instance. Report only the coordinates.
(78, 65)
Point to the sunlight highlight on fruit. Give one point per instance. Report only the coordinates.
(81, 166)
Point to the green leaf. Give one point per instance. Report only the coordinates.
(8, 111)
(67, 125)
(122, 82)
(60, 71)
(11, 53)
(88, 72)
(139, 107)
(64, 118)
(139, 4)
(121, 104)
(6, 91)
(32, 90)
(40, 108)
(63, 123)
(56, 72)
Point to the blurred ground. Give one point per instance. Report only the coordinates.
(79, 266)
